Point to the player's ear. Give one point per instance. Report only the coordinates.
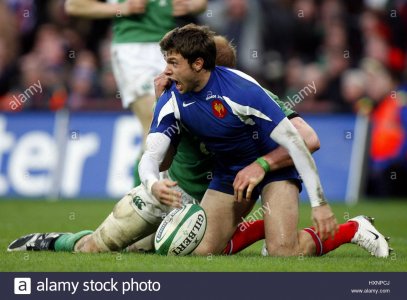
(197, 65)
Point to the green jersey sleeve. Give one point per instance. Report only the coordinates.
(287, 111)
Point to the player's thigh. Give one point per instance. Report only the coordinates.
(134, 66)
(280, 203)
(143, 109)
(223, 214)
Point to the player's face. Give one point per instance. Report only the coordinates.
(179, 71)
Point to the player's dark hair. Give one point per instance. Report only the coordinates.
(192, 41)
(225, 52)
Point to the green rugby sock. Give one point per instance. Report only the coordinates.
(66, 242)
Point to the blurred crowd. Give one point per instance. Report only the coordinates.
(349, 50)
(320, 56)
(69, 57)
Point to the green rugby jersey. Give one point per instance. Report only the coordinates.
(148, 27)
(192, 164)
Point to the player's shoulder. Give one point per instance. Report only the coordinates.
(167, 102)
(239, 83)
(169, 95)
(237, 75)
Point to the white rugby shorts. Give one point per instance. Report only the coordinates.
(135, 65)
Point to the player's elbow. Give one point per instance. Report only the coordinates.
(313, 142)
(309, 135)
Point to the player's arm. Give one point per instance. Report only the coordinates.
(99, 10)
(287, 136)
(164, 130)
(169, 156)
(161, 83)
(250, 176)
(187, 7)
(156, 147)
(280, 158)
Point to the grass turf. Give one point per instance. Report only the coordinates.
(22, 217)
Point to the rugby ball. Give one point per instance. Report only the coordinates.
(181, 231)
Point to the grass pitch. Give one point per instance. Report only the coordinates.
(22, 217)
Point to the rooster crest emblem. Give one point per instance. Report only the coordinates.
(218, 109)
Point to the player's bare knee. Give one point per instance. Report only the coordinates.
(282, 248)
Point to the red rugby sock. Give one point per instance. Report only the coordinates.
(344, 235)
(245, 235)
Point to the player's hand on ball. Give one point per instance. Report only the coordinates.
(324, 221)
(163, 192)
(247, 179)
(161, 83)
(131, 7)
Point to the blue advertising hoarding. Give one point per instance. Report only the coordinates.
(91, 155)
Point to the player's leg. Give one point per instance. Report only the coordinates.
(280, 200)
(359, 231)
(134, 217)
(135, 67)
(223, 215)
(283, 239)
(144, 245)
(142, 107)
(281, 221)
(246, 234)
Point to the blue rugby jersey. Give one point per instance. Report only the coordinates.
(232, 115)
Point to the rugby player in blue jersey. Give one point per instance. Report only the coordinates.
(240, 123)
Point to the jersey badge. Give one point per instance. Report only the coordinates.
(218, 109)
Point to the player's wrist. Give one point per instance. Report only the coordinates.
(150, 183)
(263, 164)
(318, 202)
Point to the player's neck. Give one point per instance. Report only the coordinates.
(202, 79)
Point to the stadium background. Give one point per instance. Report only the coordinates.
(72, 141)
(71, 138)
